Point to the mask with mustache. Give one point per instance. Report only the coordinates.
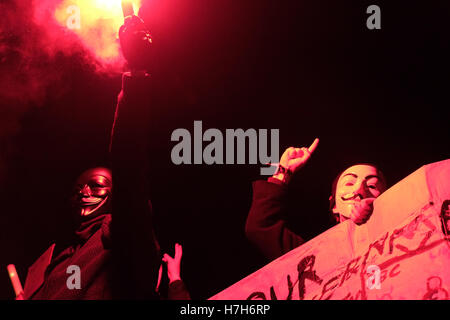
(92, 193)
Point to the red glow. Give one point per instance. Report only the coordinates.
(94, 22)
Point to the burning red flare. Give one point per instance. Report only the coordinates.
(96, 23)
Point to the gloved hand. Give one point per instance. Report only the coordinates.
(360, 212)
(136, 43)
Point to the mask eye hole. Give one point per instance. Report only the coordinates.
(96, 187)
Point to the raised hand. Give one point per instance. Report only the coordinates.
(174, 264)
(295, 158)
(136, 43)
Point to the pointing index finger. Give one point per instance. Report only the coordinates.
(313, 145)
(178, 250)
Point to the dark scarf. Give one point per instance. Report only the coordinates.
(91, 256)
(89, 226)
(85, 230)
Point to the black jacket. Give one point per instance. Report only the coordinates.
(266, 225)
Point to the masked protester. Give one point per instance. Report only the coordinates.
(81, 271)
(352, 195)
(51, 277)
(116, 254)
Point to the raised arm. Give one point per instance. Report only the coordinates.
(135, 250)
(266, 225)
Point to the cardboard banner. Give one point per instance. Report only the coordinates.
(402, 252)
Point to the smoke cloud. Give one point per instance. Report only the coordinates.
(40, 41)
(35, 39)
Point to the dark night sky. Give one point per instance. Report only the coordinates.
(308, 68)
